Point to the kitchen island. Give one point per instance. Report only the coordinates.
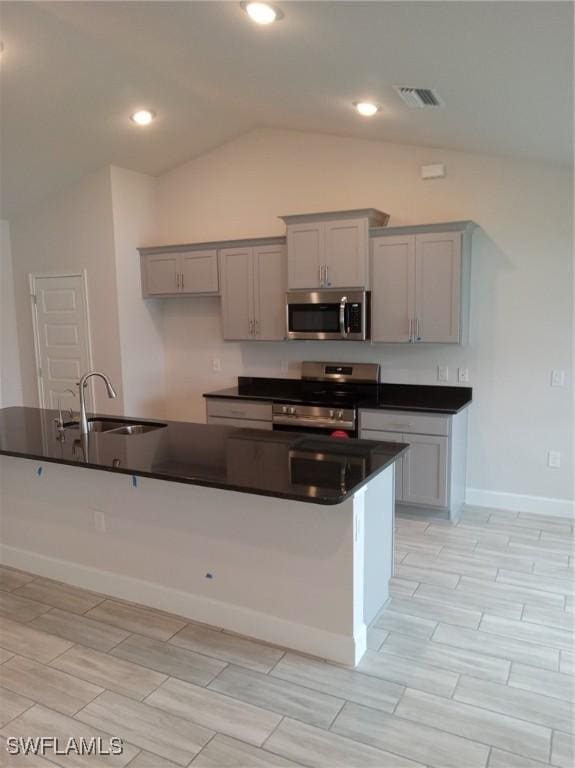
(276, 535)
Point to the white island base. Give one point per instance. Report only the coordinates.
(306, 576)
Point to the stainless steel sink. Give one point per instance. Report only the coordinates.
(104, 425)
(136, 429)
(117, 426)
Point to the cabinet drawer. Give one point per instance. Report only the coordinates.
(239, 409)
(407, 422)
(245, 423)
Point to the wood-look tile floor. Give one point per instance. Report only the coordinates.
(470, 665)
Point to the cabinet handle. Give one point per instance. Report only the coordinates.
(256, 328)
(182, 280)
(320, 274)
(177, 279)
(251, 328)
(410, 330)
(417, 336)
(326, 278)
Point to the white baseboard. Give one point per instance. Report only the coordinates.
(517, 502)
(234, 618)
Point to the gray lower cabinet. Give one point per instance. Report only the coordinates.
(253, 285)
(188, 273)
(431, 474)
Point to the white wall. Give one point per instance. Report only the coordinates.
(10, 380)
(521, 283)
(141, 340)
(72, 231)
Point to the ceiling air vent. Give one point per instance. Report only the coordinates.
(418, 97)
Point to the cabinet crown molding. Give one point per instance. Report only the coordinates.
(375, 217)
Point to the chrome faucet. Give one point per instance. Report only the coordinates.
(82, 385)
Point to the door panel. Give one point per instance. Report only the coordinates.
(199, 271)
(61, 337)
(236, 274)
(393, 295)
(305, 243)
(270, 277)
(438, 286)
(161, 274)
(425, 471)
(346, 253)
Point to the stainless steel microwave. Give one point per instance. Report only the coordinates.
(331, 315)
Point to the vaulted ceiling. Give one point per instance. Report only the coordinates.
(72, 73)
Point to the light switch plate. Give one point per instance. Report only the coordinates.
(557, 378)
(216, 364)
(442, 373)
(554, 459)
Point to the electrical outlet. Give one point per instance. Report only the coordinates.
(216, 365)
(557, 378)
(554, 459)
(442, 373)
(463, 375)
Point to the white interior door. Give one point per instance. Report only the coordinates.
(60, 311)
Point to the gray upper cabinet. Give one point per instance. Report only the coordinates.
(330, 250)
(173, 273)
(393, 295)
(160, 274)
(253, 285)
(420, 284)
(305, 243)
(438, 287)
(199, 272)
(237, 292)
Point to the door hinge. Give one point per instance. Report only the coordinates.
(34, 298)
(39, 373)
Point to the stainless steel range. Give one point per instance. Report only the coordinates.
(331, 407)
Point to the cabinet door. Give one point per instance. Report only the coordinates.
(392, 288)
(161, 276)
(425, 471)
(438, 286)
(270, 276)
(305, 247)
(236, 275)
(199, 272)
(346, 253)
(389, 437)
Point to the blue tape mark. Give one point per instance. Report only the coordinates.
(134, 481)
(39, 471)
(209, 575)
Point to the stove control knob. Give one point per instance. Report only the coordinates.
(284, 409)
(331, 413)
(291, 410)
(340, 414)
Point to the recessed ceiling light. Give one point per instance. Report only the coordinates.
(142, 117)
(262, 13)
(366, 108)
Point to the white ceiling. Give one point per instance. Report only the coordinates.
(72, 72)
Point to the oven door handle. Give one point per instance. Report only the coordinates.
(342, 306)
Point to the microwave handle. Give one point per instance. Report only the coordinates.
(342, 305)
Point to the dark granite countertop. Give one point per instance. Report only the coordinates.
(397, 397)
(287, 465)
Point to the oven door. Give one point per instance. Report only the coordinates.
(327, 315)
